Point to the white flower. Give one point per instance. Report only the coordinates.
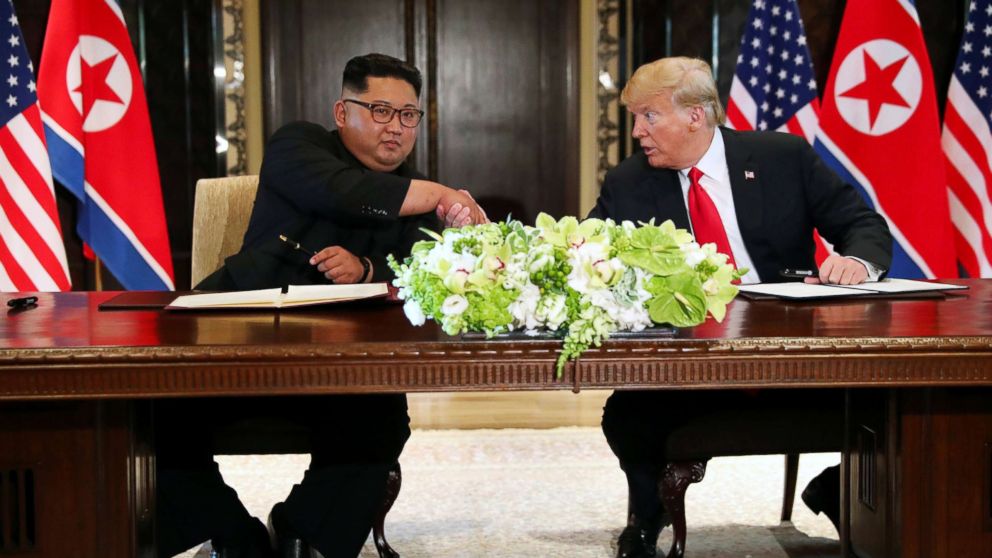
(524, 308)
(414, 312)
(694, 254)
(608, 270)
(540, 257)
(515, 275)
(552, 311)
(454, 305)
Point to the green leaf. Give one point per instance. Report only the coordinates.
(680, 300)
(656, 262)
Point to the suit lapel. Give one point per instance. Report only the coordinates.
(745, 185)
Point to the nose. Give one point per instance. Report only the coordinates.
(638, 131)
(394, 126)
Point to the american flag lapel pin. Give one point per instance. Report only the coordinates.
(748, 175)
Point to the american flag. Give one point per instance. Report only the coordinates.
(32, 257)
(774, 87)
(967, 143)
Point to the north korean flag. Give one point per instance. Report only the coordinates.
(100, 140)
(879, 129)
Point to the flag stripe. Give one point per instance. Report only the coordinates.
(971, 180)
(33, 240)
(973, 248)
(793, 127)
(68, 166)
(736, 120)
(965, 120)
(6, 283)
(17, 279)
(29, 189)
(29, 248)
(969, 207)
(809, 120)
(33, 276)
(122, 244)
(742, 105)
(18, 156)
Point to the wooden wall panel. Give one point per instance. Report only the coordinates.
(502, 91)
(306, 44)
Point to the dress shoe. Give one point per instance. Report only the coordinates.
(254, 544)
(822, 494)
(640, 538)
(288, 543)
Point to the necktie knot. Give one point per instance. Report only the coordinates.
(694, 176)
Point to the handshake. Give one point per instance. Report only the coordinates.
(455, 208)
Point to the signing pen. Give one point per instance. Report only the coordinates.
(296, 245)
(793, 273)
(25, 302)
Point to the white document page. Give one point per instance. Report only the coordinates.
(905, 286)
(800, 290)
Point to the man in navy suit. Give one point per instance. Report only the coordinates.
(758, 196)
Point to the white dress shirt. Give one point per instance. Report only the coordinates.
(716, 182)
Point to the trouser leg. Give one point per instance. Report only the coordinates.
(636, 436)
(356, 440)
(193, 504)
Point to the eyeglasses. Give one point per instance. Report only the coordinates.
(384, 114)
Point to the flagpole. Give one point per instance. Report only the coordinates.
(98, 272)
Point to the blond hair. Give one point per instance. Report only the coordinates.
(690, 81)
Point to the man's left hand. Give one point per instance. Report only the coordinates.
(838, 270)
(338, 265)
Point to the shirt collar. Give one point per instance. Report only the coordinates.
(714, 161)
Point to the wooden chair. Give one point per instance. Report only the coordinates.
(760, 431)
(221, 209)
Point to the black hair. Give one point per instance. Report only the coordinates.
(360, 68)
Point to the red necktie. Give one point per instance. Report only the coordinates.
(706, 222)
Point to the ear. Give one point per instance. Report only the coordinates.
(697, 117)
(339, 113)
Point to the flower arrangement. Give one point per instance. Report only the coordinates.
(583, 280)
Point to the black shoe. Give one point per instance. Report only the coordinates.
(288, 543)
(255, 544)
(822, 494)
(640, 538)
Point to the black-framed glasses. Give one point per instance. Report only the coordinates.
(384, 114)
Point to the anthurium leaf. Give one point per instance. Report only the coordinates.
(680, 302)
(656, 262)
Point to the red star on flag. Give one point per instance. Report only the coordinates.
(877, 88)
(93, 86)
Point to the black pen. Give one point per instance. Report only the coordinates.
(296, 245)
(25, 302)
(794, 273)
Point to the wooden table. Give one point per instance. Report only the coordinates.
(76, 461)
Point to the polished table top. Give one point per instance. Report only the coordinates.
(67, 348)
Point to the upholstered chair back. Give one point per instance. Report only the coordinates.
(221, 209)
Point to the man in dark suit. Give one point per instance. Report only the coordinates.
(349, 195)
(758, 196)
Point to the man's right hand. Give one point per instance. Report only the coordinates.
(452, 207)
(457, 215)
